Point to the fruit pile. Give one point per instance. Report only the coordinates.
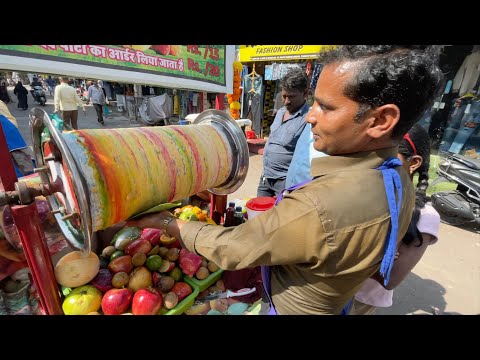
(193, 213)
(140, 273)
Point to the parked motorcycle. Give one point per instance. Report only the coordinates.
(39, 95)
(460, 206)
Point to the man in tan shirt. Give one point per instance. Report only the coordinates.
(67, 100)
(323, 240)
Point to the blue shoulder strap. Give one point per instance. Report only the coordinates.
(393, 184)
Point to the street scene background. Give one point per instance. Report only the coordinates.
(445, 281)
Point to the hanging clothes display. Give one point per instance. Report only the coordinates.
(183, 104)
(468, 74)
(253, 91)
(176, 104)
(315, 74)
(268, 72)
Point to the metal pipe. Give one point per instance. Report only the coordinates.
(38, 257)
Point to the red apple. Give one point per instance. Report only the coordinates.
(147, 301)
(156, 278)
(161, 49)
(116, 301)
(121, 263)
(176, 244)
(138, 246)
(152, 235)
(182, 290)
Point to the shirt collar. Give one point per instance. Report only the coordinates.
(361, 160)
(300, 112)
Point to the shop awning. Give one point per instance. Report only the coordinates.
(280, 52)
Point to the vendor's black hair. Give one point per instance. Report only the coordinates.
(421, 141)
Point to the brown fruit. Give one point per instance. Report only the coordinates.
(220, 285)
(170, 300)
(202, 273)
(204, 263)
(154, 251)
(163, 252)
(140, 278)
(139, 259)
(166, 283)
(212, 267)
(172, 254)
(108, 251)
(120, 280)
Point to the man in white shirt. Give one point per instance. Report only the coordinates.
(67, 100)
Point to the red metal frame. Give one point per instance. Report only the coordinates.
(31, 235)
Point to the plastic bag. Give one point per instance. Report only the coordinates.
(106, 111)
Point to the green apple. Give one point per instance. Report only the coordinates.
(82, 300)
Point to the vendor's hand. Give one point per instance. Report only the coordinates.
(397, 255)
(154, 220)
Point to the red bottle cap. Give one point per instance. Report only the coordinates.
(261, 203)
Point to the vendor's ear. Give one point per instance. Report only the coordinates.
(383, 120)
(414, 163)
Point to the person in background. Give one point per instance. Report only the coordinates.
(287, 127)
(21, 92)
(4, 93)
(321, 242)
(36, 82)
(414, 152)
(66, 99)
(97, 96)
(22, 155)
(51, 83)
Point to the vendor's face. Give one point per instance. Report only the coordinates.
(332, 114)
(293, 99)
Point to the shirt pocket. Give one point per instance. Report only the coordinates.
(286, 135)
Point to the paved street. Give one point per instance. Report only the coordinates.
(447, 277)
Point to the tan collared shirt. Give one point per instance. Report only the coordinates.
(66, 98)
(322, 240)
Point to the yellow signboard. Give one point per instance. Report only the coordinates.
(280, 52)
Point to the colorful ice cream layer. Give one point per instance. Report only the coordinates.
(128, 171)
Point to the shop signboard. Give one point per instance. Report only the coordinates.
(280, 52)
(199, 67)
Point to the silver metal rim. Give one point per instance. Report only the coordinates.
(238, 143)
(39, 117)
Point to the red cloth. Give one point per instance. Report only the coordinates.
(219, 104)
(245, 278)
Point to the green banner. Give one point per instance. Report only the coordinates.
(197, 62)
